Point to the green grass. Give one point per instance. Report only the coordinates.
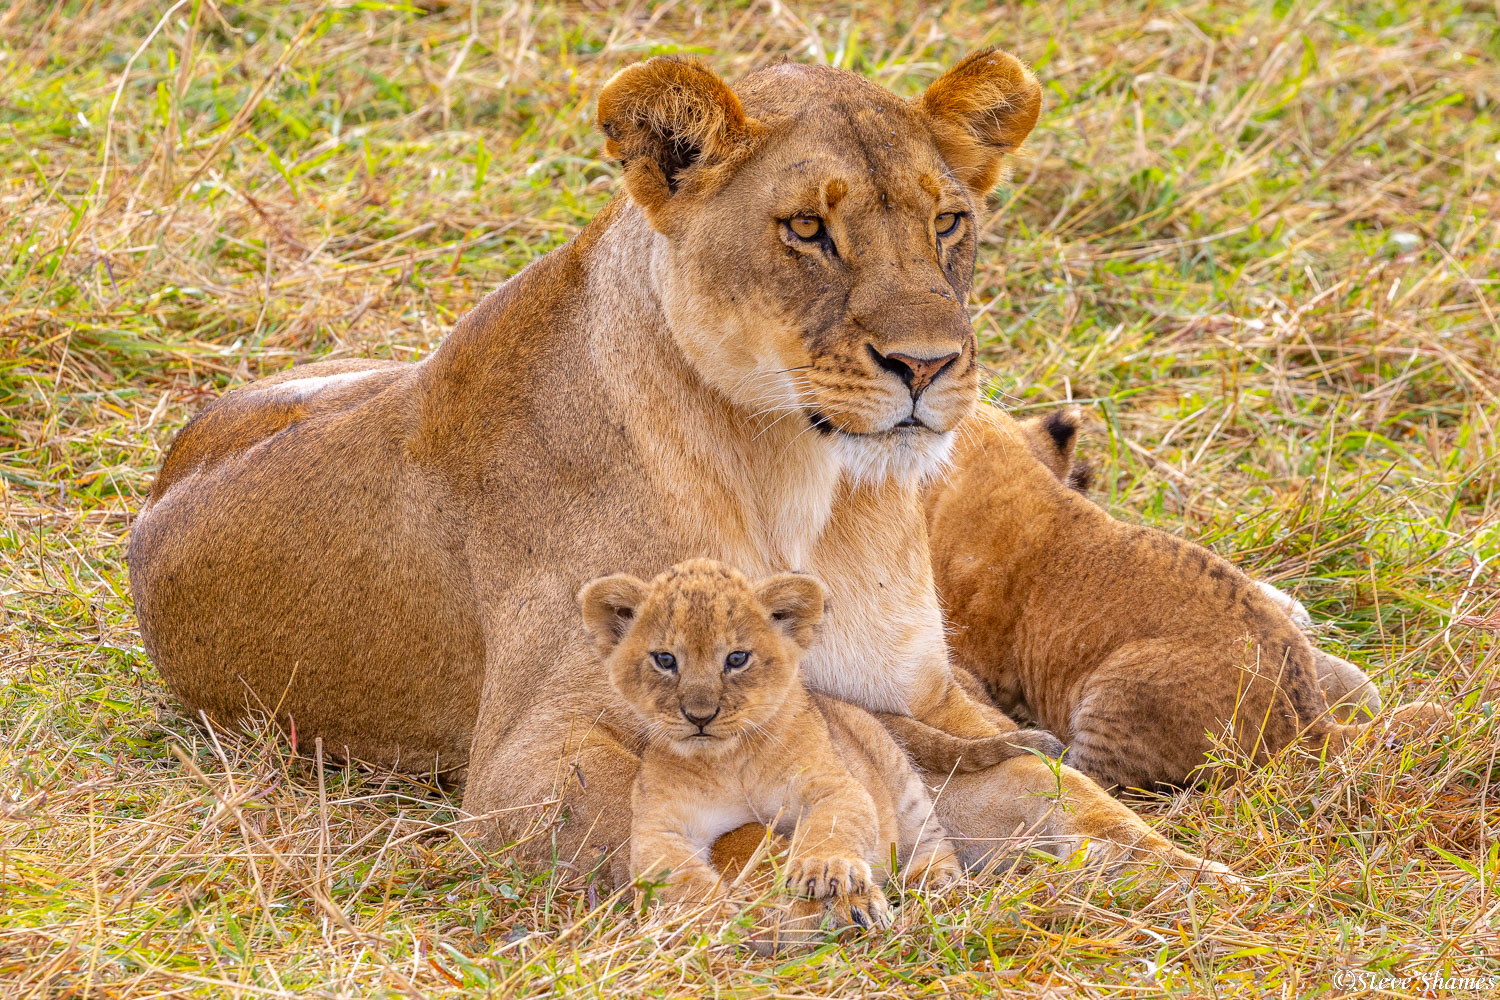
(1258, 240)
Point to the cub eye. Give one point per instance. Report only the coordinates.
(805, 227)
(736, 660)
(946, 223)
(665, 662)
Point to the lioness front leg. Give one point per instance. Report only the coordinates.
(1028, 802)
(558, 786)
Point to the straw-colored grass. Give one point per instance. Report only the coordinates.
(1258, 240)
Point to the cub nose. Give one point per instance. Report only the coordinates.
(916, 372)
(699, 720)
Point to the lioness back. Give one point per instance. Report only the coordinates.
(245, 417)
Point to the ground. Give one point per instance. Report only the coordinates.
(1257, 241)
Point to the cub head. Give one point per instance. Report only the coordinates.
(703, 655)
(816, 237)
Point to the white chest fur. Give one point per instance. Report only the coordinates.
(872, 654)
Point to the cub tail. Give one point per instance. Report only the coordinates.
(1404, 723)
(938, 752)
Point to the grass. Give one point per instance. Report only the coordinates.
(1259, 241)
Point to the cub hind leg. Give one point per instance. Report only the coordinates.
(1148, 715)
(928, 857)
(1030, 802)
(1121, 740)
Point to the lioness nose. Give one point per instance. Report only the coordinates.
(699, 720)
(916, 372)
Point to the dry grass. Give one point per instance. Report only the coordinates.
(1259, 240)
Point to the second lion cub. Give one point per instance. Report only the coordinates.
(709, 661)
(1139, 649)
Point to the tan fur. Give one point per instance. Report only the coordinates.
(728, 745)
(1136, 647)
(984, 108)
(1351, 694)
(390, 561)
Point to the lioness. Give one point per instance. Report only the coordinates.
(1136, 647)
(756, 354)
(709, 664)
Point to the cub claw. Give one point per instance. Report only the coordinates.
(827, 878)
(866, 911)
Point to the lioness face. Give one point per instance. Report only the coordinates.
(818, 238)
(703, 656)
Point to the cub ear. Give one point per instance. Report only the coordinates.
(979, 111)
(1053, 439)
(795, 603)
(609, 606)
(664, 116)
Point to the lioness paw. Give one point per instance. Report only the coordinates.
(939, 870)
(1039, 740)
(822, 877)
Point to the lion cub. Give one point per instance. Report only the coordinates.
(709, 661)
(1130, 644)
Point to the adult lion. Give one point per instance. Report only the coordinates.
(755, 356)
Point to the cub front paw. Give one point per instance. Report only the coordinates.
(826, 876)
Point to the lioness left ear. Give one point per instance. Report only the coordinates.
(795, 603)
(609, 607)
(665, 116)
(979, 111)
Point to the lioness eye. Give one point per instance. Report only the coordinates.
(946, 223)
(806, 227)
(736, 660)
(665, 662)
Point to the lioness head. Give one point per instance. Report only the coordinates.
(703, 655)
(817, 237)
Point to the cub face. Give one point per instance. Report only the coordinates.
(701, 654)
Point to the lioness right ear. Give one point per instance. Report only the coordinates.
(609, 607)
(980, 111)
(664, 116)
(795, 603)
